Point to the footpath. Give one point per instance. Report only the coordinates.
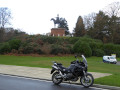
(39, 73)
(34, 72)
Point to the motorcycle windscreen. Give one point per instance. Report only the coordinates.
(84, 60)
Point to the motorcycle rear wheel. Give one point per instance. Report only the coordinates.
(88, 81)
(55, 80)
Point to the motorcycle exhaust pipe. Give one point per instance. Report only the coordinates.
(58, 77)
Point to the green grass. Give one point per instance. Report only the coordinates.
(95, 64)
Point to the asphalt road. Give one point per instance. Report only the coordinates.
(20, 83)
(118, 63)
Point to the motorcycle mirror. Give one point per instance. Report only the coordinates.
(53, 62)
(75, 56)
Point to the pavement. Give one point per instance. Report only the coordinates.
(34, 72)
(39, 73)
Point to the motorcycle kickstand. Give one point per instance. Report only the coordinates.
(69, 82)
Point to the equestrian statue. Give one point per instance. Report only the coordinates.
(56, 21)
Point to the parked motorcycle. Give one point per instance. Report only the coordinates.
(76, 70)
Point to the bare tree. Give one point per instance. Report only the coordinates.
(113, 9)
(89, 20)
(5, 16)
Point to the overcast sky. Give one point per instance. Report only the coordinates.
(33, 16)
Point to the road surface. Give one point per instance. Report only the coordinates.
(20, 83)
(118, 63)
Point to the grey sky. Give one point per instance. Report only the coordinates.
(33, 16)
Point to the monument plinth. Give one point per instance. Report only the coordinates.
(58, 32)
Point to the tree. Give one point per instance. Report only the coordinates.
(89, 21)
(2, 35)
(5, 16)
(113, 9)
(114, 29)
(63, 24)
(80, 28)
(100, 28)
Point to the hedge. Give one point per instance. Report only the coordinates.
(82, 48)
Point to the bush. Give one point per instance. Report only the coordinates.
(116, 50)
(15, 44)
(108, 48)
(46, 48)
(51, 40)
(117, 53)
(95, 45)
(5, 48)
(73, 40)
(56, 49)
(82, 48)
(89, 40)
(112, 49)
(39, 51)
(69, 49)
(98, 53)
(26, 48)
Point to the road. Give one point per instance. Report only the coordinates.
(20, 83)
(118, 63)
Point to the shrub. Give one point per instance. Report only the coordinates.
(116, 50)
(14, 51)
(50, 39)
(82, 48)
(46, 48)
(96, 48)
(69, 49)
(14, 44)
(117, 53)
(5, 48)
(73, 40)
(112, 49)
(39, 51)
(95, 45)
(76, 46)
(89, 40)
(98, 53)
(108, 48)
(56, 49)
(26, 48)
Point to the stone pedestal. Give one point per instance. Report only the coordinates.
(57, 32)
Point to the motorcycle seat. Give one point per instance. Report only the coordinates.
(59, 64)
(64, 69)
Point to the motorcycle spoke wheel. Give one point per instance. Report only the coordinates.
(55, 79)
(88, 81)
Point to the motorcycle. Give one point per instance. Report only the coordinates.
(77, 70)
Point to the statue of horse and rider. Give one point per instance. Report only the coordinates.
(59, 21)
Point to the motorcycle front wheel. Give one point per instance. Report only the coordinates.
(87, 81)
(56, 78)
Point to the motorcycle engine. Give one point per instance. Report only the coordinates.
(69, 75)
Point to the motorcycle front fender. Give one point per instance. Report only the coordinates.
(52, 70)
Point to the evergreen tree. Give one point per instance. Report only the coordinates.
(80, 28)
(100, 28)
(63, 24)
